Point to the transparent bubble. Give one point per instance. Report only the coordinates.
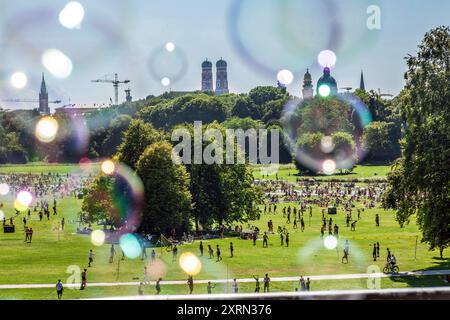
(4, 189)
(323, 139)
(57, 63)
(47, 129)
(327, 58)
(168, 64)
(124, 190)
(19, 80)
(98, 237)
(190, 263)
(130, 246)
(72, 15)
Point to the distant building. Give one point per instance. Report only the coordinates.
(128, 97)
(207, 76)
(307, 91)
(75, 110)
(362, 85)
(221, 77)
(43, 98)
(328, 80)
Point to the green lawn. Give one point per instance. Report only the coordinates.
(40, 167)
(49, 256)
(290, 173)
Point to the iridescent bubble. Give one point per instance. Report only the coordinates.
(72, 15)
(330, 242)
(130, 246)
(167, 64)
(4, 189)
(19, 80)
(108, 167)
(57, 63)
(321, 139)
(125, 191)
(327, 58)
(47, 129)
(98, 237)
(190, 263)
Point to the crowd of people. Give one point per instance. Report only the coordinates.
(292, 201)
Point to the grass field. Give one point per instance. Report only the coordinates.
(290, 173)
(49, 256)
(39, 167)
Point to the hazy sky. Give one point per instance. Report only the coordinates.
(256, 37)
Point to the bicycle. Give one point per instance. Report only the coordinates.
(389, 268)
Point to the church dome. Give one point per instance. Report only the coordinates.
(206, 64)
(327, 79)
(221, 63)
(307, 75)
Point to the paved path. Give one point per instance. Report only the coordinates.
(247, 280)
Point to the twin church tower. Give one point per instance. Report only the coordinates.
(221, 77)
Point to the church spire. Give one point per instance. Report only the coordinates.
(362, 85)
(43, 85)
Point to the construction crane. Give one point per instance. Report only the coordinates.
(116, 82)
(387, 95)
(29, 101)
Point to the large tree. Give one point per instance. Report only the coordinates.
(221, 193)
(136, 139)
(382, 140)
(166, 184)
(420, 183)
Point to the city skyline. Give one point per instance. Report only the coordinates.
(109, 42)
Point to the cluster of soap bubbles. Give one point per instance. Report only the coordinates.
(72, 18)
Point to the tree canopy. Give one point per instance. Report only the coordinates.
(420, 181)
